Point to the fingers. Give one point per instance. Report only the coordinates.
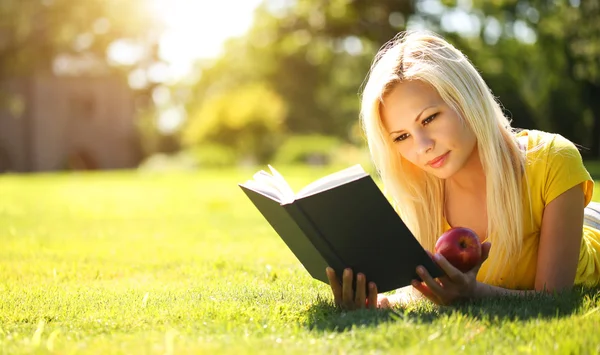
(425, 291)
(361, 291)
(451, 272)
(383, 302)
(485, 252)
(347, 291)
(345, 296)
(432, 284)
(336, 288)
(372, 295)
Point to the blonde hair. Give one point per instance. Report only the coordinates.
(419, 197)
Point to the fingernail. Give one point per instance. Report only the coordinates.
(346, 271)
(371, 285)
(437, 257)
(360, 277)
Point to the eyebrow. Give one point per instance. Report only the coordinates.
(416, 119)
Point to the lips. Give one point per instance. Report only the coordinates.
(437, 162)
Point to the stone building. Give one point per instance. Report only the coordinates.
(53, 123)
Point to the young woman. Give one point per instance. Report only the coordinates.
(448, 157)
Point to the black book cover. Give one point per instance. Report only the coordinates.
(349, 226)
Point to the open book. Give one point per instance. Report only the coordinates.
(342, 220)
(274, 185)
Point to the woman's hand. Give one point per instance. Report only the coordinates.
(454, 285)
(344, 296)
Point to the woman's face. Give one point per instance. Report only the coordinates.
(427, 132)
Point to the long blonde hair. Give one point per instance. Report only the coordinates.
(419, 197)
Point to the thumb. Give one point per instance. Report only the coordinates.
(383, 302)
(485, 251)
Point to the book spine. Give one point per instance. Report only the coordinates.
(315, 236)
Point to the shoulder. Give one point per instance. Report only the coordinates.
(555, 163)
(536, 139)
(544, 147)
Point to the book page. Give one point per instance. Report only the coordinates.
(284, 187)
(263, 189)
(273, 186)
(330, 181)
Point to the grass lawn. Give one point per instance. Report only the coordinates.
(126, 262)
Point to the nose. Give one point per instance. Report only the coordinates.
(424, 143)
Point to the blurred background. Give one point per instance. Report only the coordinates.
(191, 84)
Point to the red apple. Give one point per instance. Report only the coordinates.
(461, 247)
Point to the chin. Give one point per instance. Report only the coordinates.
(442, 173)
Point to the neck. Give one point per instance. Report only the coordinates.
(471, 178)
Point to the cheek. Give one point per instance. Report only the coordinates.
(407, 153)
(459, 136)
(468, 139)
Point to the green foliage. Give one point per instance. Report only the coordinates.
(314, 54)
(593, 167)
(307, 149)
(146, 127)
(540, 58)
(35, 32)
(321, 150)
(306, 62)
(73, 38)
(247, 119)
(213, 155)
(161, 162)
(116, 262)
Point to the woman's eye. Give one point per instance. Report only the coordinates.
(429, 119)
(401, 137)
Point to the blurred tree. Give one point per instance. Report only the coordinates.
(321, 52)
(248, 119)
(314, 54)
(72, 37)
(33, 33)
(571, 30)
(540, 58)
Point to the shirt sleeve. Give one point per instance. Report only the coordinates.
(564, 170)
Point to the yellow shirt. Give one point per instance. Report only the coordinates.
(553, 165)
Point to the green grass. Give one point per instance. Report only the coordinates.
(126, 262)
